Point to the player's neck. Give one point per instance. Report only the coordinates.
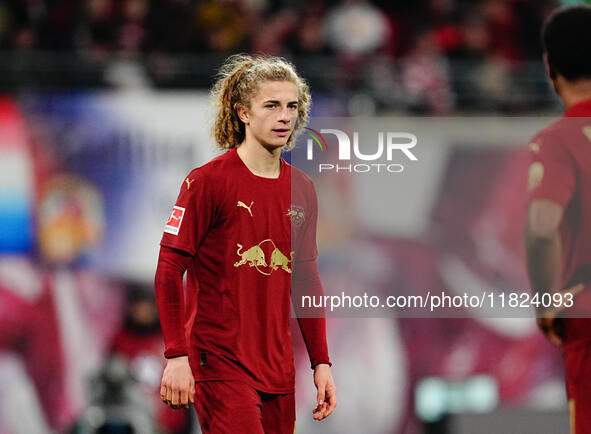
(260, 160)
(573, 93)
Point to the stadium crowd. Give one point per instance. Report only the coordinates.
(432, 56)
(456, 28)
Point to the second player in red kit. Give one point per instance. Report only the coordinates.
(558, 230)
(244, 229)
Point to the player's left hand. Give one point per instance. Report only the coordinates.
(327, 392)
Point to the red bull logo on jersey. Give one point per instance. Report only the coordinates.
(255, 257)
(173, 225)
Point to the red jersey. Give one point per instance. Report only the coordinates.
(244, 233)
(560, 171)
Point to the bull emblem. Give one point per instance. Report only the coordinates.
(278, 259)
(255, 257)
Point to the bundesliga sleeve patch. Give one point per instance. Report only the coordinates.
(174, 221)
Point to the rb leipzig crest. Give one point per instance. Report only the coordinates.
(297, 215)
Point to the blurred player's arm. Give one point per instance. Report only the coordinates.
(544, 258)
(178, 385)
(551, 181)
(543, 246)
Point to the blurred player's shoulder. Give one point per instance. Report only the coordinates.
(548, 136)
(562, 134)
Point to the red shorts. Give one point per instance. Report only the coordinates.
(230, 407)
(577, 358)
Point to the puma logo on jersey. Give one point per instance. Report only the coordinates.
(243, 205)
(189, 182)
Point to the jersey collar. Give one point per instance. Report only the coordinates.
(581, 109)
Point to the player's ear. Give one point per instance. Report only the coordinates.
(242, 113)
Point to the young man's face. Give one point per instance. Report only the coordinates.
(272, 114)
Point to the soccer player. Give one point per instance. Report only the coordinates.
(243, 226)
(558, 228)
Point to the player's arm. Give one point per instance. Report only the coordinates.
(551, 183)
(544, 258)
(178, 385)
(542, 244)
(306, 281)
(183, 234)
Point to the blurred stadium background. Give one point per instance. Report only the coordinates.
(104, 109)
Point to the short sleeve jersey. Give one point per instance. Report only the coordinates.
(244, 233)
(560, 171)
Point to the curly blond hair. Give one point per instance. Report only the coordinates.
(238, 81)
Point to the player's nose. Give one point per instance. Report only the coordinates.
(284, 115)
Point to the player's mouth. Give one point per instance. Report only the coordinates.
(281, 132)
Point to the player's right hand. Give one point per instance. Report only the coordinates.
(548, 319)
(177, 388)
